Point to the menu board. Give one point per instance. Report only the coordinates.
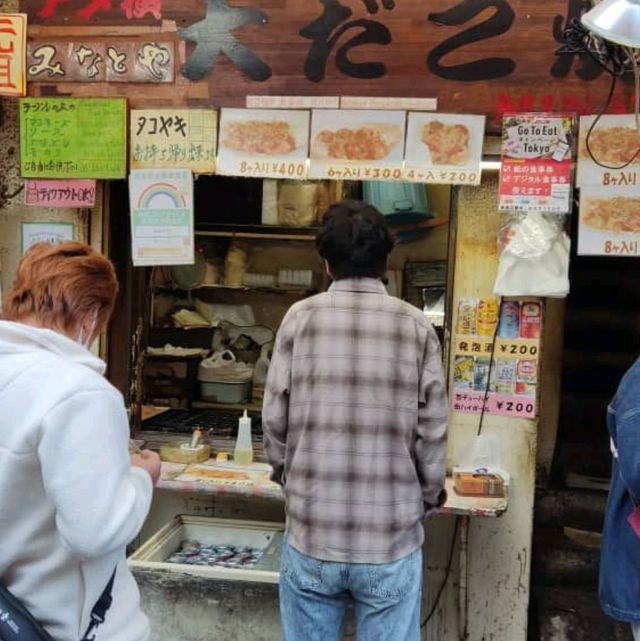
(535, 174)
(73, 138)
(174, 138)
(507, 387)
(357, 144)
(161, 202)
(612, 143)
(444, 148)
(264, 143)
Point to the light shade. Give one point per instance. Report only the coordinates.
(615, 20)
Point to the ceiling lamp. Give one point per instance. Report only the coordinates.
(616, 21)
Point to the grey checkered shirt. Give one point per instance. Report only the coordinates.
(355, 423)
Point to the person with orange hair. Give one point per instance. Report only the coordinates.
(71, 496)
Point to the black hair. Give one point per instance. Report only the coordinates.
(354, 240)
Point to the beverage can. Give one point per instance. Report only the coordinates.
(487, 318)
(467, 308)
(509, 326)
(530, 320)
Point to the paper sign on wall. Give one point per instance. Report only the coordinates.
(73, 138)
(161, 203)
(174, 138)
(60, 193)
(45, 232)
(264, 143)
(357, 145)
(510, 389)
(536, 163)
(13, 54)
(444, 148)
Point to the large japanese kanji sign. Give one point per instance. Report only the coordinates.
(485, 56)
(13, 40)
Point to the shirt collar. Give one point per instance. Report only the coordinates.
(366, 285)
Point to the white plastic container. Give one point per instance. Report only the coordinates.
(243, 451)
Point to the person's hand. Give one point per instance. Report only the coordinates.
(149, 461)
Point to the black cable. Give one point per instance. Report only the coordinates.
(446, 575)
(492, 360)
(593, 124)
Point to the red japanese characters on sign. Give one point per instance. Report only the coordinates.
(131, 8)
(13, 40)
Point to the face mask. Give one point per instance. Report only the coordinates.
(83, 340)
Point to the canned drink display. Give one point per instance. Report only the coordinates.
(226, 556)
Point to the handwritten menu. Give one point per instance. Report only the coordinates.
(444, 148)
(13, 52)
(60, 193)
(174, 138)
(507, 387)
(357, 144)
(536, 163)
(73, 138)
(161, 203)
(264, 143)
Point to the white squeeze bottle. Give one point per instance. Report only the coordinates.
(243, 452)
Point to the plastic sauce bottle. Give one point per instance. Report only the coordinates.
(243, 452)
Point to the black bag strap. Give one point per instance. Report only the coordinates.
(100, 609)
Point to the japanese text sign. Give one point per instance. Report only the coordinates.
(60, 193)
(608, 152)
(73, 138)
(355, 144)
(502, 376)
(13, 51)
(536, 163)
(174, 138)
(265, 143)
(444, 148)
(161, 202)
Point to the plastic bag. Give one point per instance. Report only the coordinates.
(535, 256)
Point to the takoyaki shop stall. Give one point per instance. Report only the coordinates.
(198, 144)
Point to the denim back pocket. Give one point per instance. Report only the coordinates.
(303, 571)
(397, 579)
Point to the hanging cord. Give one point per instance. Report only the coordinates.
(492, 360)
(436, 601)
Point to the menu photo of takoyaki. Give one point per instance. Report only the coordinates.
(357, 136)
(444, 140)
(254, 135)
(612, 141)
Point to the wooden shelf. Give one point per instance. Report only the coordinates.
(267, 232)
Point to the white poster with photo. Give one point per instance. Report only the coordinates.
(263, 143)
(46, 232)
(357, 144)
(609, 221)
(161, 203)
(444, 148)
(605, 148)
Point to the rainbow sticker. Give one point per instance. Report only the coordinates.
(161, 196)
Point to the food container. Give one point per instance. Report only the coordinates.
(225, 391)
(168, 542)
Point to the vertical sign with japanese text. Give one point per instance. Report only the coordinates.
(161, 205)
(73, 138)
(13, 54)
(536, 163)
(502, 376)
(174, 138)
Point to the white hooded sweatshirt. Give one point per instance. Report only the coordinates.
(69, 499)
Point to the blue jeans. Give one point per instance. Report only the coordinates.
(314, 595)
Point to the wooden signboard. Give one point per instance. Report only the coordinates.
(70, 138)
(115, 60)
(13, 39)
(474, 56)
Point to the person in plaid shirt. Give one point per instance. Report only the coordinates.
(355, 426)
